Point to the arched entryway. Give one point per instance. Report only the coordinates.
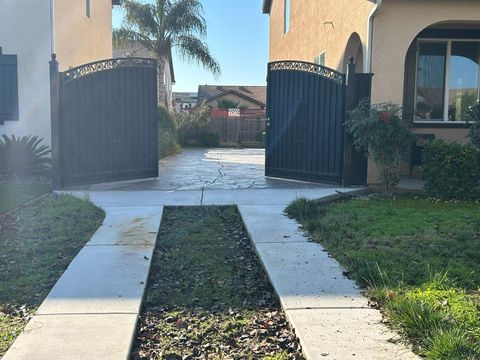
(353, 49)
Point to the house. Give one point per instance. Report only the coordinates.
(424, 55)
(136, 49)
(78, 32)
(249, 97)
(184, 101)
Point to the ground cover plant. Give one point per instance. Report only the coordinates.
(14, 194)
(418, 259)
(37, 243)
(207, 295)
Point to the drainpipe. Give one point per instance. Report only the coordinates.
(369, 46)
(52, 26)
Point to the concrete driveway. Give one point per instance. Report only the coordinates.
(212, 169)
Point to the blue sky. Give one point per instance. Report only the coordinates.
(237, 38)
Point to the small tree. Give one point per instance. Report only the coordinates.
(381, 131)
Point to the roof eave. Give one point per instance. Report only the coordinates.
(267, 4)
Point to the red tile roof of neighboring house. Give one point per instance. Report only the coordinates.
(256, 94)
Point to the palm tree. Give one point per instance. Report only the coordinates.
(165, 26)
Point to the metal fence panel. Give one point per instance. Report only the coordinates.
(306, 112)
(108, 121)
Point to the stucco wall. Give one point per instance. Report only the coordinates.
(25, 31)
(316, 26)
(396, 25)
(80, 39)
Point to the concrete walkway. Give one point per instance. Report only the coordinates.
(329, 314)
(92, 311)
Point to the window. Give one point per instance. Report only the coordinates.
(8, 87)
(447, 79)
(320, 59)
(286, 17)
(87, 8)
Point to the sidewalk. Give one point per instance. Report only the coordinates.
(92, 311)
(329, 314)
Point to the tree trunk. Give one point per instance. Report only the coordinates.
(161, 82)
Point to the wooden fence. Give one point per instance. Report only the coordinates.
(244, 127)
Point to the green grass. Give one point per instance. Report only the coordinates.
(37, 243)
(207, 295)
(14, 194)
(419, 260)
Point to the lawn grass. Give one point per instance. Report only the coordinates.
(207, 295)
(37, 243)
(14, 194)
(418, 259)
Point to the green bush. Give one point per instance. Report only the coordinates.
(450, 170)
(167, 133)
(208, 139)
(23, 157)
(472, 118)
(381, 131)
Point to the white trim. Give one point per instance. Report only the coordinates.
(369, 45)
(446, 86)
(446, 83)
(52, 26)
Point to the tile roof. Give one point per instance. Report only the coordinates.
(257, 94)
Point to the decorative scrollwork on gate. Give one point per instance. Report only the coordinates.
(109, 64)
(308, 67)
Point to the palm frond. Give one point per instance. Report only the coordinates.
(141, 18)
(23, 157)
(185, 17)
(193, 49)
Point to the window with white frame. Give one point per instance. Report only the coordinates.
(447, 79)
(320, 59)
(286, 17)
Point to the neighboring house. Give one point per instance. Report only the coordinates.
(184, 101)
(250, 97)
(424, 54)
(77, 32)
(137, 50)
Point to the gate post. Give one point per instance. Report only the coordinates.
(57, 171)
(355, 163)
(348, 140)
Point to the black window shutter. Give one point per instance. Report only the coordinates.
(8, 88)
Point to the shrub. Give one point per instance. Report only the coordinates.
(450, 170)
(167, 133)
(472, 117)
(208, 139)
(381, 131)
(23, 157)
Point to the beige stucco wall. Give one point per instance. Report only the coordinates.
(316, 26)
(79, 39)
(25, 31)
(232, 97)
(397, 23)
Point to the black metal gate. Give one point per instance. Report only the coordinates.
(306, 110)
(104, 121)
